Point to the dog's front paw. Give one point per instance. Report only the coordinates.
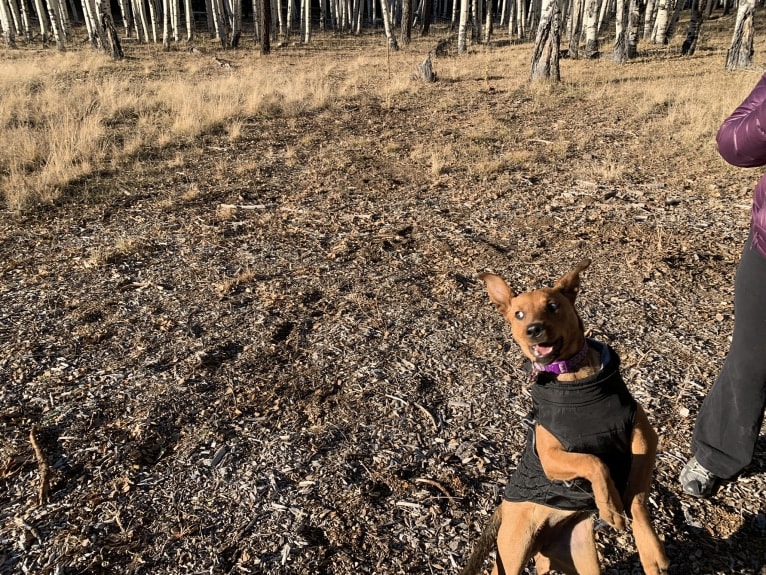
(613, 515)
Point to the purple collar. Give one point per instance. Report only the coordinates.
(565, 365)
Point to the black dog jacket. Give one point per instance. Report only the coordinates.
(593, 415)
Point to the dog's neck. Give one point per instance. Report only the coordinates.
(576, 367)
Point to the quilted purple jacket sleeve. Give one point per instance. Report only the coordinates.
(742, 136)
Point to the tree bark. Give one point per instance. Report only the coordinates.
(5, 20)
(428, 16)
(740, 55)
(462, 27)
(620, 54)
(574, 28)
(545, 58)
(693, 32)
(388, 26)
(406, 32)
(591, 29)
(265, 14)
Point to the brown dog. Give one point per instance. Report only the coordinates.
(590, 446)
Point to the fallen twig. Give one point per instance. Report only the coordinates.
(42, 464)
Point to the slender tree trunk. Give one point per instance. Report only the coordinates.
(740, 55)
(109, 34)
(462, 27)
(15, 16)
(388, 26)
(166, 25)
(693, 32)
(634, 17)
(27, 27)
(661, 22)
(488, 25)
(43, 19)
(307, 21)
(428, 16)
(591, 29)
(545, 58)
(54, 13)
(575, 25)
(265, 13)
(648, 19)
(5, 19)
(188, 13)
(670, 32)
(406, 32)
(620, 54)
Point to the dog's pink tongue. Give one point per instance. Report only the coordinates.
(543, 350)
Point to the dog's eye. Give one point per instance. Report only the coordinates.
(552, 306)
(519, 314)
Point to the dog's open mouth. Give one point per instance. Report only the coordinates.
(546, 352)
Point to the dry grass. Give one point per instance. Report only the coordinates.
(69, 115)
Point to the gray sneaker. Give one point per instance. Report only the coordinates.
(696, 480)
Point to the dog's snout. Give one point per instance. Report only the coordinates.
(535, 330)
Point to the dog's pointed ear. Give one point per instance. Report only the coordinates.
(569, 285)
(499, 292)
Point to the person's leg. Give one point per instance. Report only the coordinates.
(730, 418)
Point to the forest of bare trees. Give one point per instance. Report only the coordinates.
(582, 22)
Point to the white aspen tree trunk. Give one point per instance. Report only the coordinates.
(5, 19)
(43, 20)
(233, 9)
(620, 54)
(280, 21)
(56, 26)
(670, 32)
(289, 19)
(219, 16)
(503, 4)
(455, 4)
(153, 19)
(66, 24)
(27, 27)
(142, 24)
(126, 16)
(357, 17)
(388, 26)
(634, 16)
(575, 16)
(649, 19)
(175, 22)
(545, 58)
(603, 17)
(591, 29)
(661, 22)
(190, 20)
(488, 25)
(256, 21)
(740, 55)
(15, 16)
(307, 21)
(90, 23)
(462, 27)
(521, 15)
(166, 24)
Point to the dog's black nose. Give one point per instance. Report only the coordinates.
(535, 329)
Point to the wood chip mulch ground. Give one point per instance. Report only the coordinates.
(294, 369)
